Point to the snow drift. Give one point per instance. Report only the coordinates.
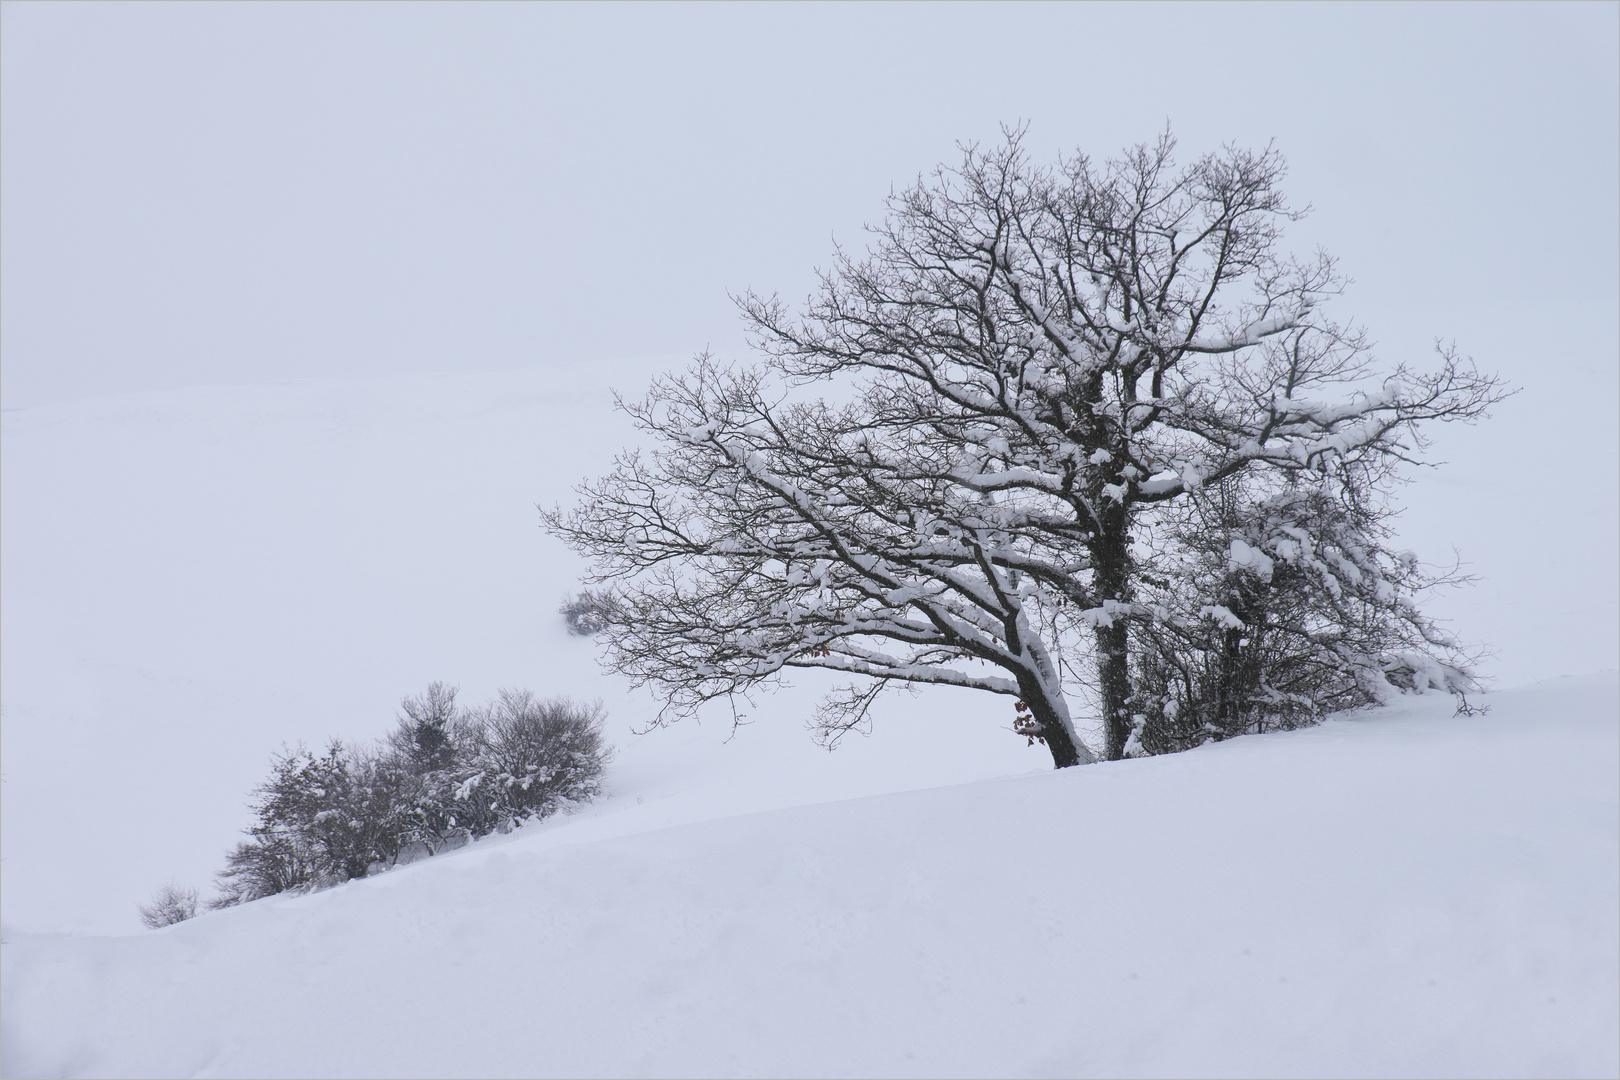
(1399, 892)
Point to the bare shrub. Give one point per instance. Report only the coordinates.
(172, 903)
(535, 756)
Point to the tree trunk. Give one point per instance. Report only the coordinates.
(1111, 555)
(1053, 731)
(1113, 672)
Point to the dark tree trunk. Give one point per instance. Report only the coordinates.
(1053, 733)
(1062, 747)
(1111, 555)
(1113, 671)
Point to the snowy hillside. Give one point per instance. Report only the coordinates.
(1402, 893)
(193, 578)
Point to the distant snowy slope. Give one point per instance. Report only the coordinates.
(192, 578)
(1396, 893)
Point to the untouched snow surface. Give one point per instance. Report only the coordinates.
(1397, 892)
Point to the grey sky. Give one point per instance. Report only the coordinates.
(243, 193)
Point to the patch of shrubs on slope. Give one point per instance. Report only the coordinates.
(444, 776)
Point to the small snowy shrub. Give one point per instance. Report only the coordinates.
(588, 612)
(476, 770)
(172, 904)
(536, 756)
(270, 862)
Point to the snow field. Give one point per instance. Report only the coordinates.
(1400, 892)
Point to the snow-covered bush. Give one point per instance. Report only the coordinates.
(320, 818)
(1275, 607)
(445, 774)
(171, 904)
(533, 756)
(588, 611)
(488, 767)
(267, 863)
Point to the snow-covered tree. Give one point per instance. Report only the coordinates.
(1028, 371)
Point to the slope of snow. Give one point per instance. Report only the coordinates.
(193, 578)
(1399, 892)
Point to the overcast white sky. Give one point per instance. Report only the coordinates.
(231, 193)
(247, 193)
